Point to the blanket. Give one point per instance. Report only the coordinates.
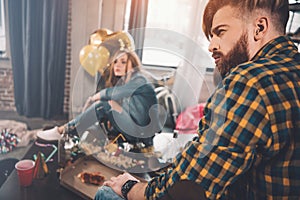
(20, 129)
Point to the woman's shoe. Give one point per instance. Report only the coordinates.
(50, 135)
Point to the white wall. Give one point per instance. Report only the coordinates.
(88, 16)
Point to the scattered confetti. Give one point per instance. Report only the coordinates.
(8, 141)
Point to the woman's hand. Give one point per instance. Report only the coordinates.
(115, 106)
(96, 97)
(116, 183)
(87, 104)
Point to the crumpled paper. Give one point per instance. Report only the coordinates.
(21, 130)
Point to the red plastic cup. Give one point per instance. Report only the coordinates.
(25, 172)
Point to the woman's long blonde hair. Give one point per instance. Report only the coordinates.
(111, 79)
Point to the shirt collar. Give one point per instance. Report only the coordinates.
(281, 43)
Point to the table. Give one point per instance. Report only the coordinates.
(48, 188)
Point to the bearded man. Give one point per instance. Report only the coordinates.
(251, 126)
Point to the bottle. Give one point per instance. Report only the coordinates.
(65, 145)
(62, 150)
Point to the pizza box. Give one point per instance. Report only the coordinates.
(69, 176)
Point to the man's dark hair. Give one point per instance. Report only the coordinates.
(278, 9)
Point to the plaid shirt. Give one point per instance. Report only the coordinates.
(251, 124)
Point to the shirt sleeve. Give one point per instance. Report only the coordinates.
(119, 92)
(235, 122)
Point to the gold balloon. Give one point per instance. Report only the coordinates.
(127, 39)
(99, 36)
(119, 40)
(103, 44)
(93, 58)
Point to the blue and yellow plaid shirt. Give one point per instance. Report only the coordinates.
(251, 124)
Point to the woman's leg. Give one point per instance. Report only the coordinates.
(79, 124)
(89, 117)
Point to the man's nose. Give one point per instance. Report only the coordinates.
(213, 45)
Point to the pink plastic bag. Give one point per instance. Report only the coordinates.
(188, 120)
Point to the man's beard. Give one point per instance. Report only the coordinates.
(237, 55)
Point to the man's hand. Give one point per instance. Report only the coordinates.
(116, 183)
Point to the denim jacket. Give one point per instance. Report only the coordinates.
(138, 100)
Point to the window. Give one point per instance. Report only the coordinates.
(183, 17)
(294, 21)
(180, 18)
(2, 29)
(293, 26)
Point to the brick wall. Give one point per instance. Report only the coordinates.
(7, 101)
(68, 62)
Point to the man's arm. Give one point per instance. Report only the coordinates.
(235, 121)
(135, 193)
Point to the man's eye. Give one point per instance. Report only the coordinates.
(220, 32)
(124, 62)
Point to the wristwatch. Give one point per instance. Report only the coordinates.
(127, 187)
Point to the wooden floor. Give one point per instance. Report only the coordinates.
(32, 123)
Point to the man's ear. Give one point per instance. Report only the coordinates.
(261, 27)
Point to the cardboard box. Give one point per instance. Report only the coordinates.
(69, 176)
